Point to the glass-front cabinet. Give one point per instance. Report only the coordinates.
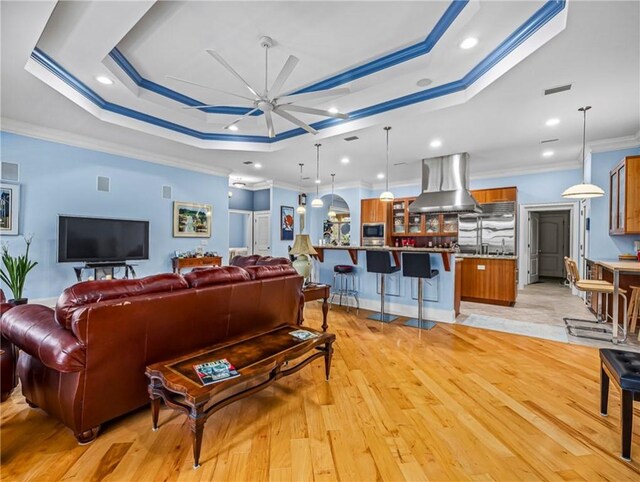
(399, 216)
(432, 223)
(450, 224)
(410, 224)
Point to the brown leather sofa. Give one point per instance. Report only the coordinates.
(84, 362)
(8, 357)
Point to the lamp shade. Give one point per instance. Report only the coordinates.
(302, 245)
(583, 191)
(301, 209)
(317, 203)
(386, 196)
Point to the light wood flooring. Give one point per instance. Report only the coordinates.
(452, 403)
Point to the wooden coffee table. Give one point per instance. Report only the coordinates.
(259, 360)
(315, 291)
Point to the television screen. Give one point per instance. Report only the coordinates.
(101, 240)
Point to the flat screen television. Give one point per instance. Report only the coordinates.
(100, 240)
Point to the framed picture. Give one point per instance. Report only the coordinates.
(191, 220)
(286, 223)
(9, 209)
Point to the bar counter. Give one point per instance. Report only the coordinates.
(395, 252)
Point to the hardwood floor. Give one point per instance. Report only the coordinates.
(452, 403)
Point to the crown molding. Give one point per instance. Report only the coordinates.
(61, 137)
(498, 173)
(616, 143)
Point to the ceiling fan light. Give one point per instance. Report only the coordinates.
(301, 210)
(317, 203)
(386, 196)
(583, 191)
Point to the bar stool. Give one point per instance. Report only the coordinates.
(634, 309)
(597, 330)
(418, 265)
(379, 262)
(342, 274)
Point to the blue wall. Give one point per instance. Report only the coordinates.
(602, 245)
(60, 179)
(238, 230)
(241, 199)
(262, 200)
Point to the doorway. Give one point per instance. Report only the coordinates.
(262, 233)
(240, 233)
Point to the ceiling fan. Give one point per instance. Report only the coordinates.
(270, 101)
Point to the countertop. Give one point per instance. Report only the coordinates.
(389, 248)
(616, 264)
(486, 256)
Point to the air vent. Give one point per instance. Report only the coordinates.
(399, 163)
(246, 163)
(10, 171)
(306, 178)
(557, 90)
(166, 192)
(351, 138)
(104, 184)
(547, 141)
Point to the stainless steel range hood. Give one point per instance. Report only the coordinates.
(445, 186)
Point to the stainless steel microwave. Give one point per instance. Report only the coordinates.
(373, 234)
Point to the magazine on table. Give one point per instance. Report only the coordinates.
(303, 334)
(215, 371)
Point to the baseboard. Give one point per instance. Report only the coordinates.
(401, 309)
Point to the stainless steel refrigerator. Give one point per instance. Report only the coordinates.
(492, 232)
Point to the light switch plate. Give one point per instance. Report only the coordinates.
(481, 267)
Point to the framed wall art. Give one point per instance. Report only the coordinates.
(192, 220)
(9, 209)
(286, 223)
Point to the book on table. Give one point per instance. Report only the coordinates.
(215, 371)
(303, 334)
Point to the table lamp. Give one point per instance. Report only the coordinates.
(302, 248)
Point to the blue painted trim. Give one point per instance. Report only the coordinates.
(394, 58)
(549, 10)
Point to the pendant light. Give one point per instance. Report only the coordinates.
(387, 195)
(317, 202)
(300, 209)
(332, 213)
(584, 190)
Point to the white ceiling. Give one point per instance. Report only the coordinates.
(501, 127)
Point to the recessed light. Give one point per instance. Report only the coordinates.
(380, 175)
(233, 128)
(553, 122)
(104, 80)
(333, 110)
(547, 154)
(344, 160)
(469, 43)
(424, 82)
(435, 143)
(257, 165)
(317, 181)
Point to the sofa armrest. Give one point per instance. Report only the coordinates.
(33, 329)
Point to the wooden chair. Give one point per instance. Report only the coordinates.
(634, 309)
(596, 329)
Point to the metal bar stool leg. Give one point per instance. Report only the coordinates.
(420, 323)
(382, 316)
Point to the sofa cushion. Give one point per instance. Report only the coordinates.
(217, 275)
(89, 292)
(243, 261)
(270, 261)
(264, 272)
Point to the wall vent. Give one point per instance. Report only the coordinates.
(547, 141)
(104, 184)
(10, 171)
(247, 163)
(166, 192)
(351, 138)
(557, 90)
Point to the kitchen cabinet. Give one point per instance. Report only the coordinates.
(624, 197)
(410, 224)
(489, 280)
(376, 211)
(495, 195)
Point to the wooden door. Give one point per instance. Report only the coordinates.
(533, 248)
(553, 244)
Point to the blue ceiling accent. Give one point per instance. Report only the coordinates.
(394, 58)
(549, 10)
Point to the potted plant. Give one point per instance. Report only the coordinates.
(14, 271)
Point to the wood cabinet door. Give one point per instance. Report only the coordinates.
(613, 201)
(480, 195)
(632, 195)
(489, 279)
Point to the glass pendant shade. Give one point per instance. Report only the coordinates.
(301, 210)
(386, 196)
(331, 213)
(317, 203)
(584, 190)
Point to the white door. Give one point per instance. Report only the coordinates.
(262, 234)
(554, 244)
(533, 251)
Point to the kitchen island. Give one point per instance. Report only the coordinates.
(441, 294)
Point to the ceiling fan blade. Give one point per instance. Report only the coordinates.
(210, 88)
(240, 118)
(284, 74)
(224, 63)
(267, 116)
(293, 120)
(309, 110)
(312, 95)
(198, 106)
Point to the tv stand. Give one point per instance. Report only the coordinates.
(104, 270)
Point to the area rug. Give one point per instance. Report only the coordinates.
(526, 328)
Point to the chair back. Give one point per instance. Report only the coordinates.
(416, 265)
(379, 262)
(573, 274)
